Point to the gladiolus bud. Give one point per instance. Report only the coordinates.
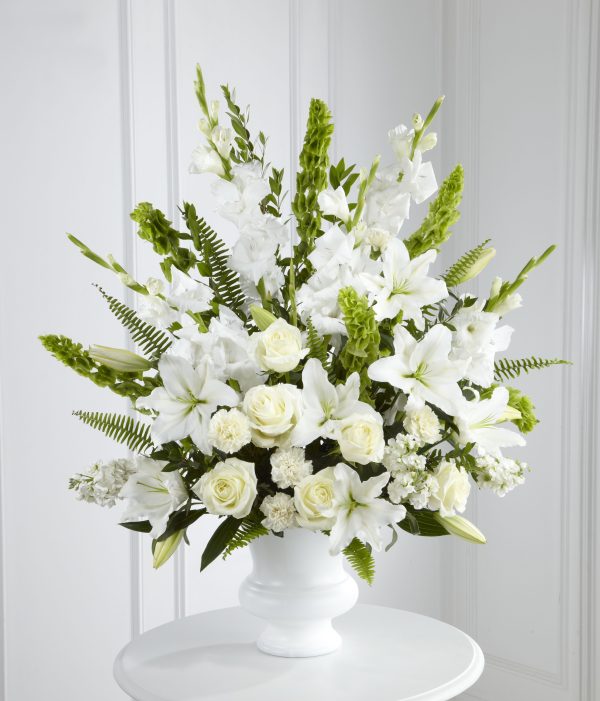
(163, 549)
(459, 526)
(428, 142)
(262, 318)
(417, 121)
(213, 110)
(119, 359)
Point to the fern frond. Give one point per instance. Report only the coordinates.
(466, 267)
(317, 348)
(360, 557)
(119, 427)
(249, 530)
(508, 369)
(151, 340)
(224, 281)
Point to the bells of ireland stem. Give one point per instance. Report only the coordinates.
(163, 549)
(459, 526)
(119, 359)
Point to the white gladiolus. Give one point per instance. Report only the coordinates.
(229, 489)
(229, 431)
(222, 138)
(313, 496)
(401, 138)
(360, 437)
(279, 511)
(334, 203)
(206, 160)
(279, 347)
(188, 295)
(452, 489)
(273, 412)
(289, 467)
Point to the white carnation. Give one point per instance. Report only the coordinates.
(229, 430)
(279, 511)
(423, 423)
(289, 467)
(102, 482)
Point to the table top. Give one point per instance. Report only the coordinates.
(386, 655)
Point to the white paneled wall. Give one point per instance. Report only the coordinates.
(99, 113)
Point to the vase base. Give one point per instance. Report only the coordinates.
(303, 640)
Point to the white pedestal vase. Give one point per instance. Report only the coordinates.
(297, 587)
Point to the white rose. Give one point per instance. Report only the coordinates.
(289, 466)
(279, 511)
(360, 437)
(229, 489)
(423, 424)
(334, 203)
(312, 496)
(451, 489)
(229, 430)
(273, 411)
(279, 347)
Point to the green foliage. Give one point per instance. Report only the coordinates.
(71, 354)
(244, 148)
(224, 282)
(317, 347)
(443, 213)
(271, 204)
(361, 558)
(250, 529)
(462, 270)
(421, 522)
(362, 346)
(508, 369)
(312, 176)
(340, 175)
(219, 540)
(522, 403)
(119, 427)
(151, 340)
(154, 227)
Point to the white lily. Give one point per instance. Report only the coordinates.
(187, 400)
(325, 405)
(422, 369)
(359, 510)
(152, 495)
(403, 285)
(478, 420)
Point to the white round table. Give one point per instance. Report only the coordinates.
(387, 655)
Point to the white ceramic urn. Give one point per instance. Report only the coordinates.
(298, 588)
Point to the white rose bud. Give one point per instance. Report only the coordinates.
(273, 411)
(312, 496)
(279, 511)
(423, 424)
(334, 203)
(229, 489)
(279, 347)
(360, 437)
(451, 489)
(229, 430)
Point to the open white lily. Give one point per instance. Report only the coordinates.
(359, 510)
(422, 369)
(403, 285)
(478, 420)
(325, 405)
(187, 400)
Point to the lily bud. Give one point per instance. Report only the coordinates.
(163, 549)
(459, 526)
(475, 268)
(262, 318)
(119, 359)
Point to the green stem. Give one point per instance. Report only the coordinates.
(419, 133)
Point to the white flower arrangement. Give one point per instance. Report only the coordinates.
(316, 376)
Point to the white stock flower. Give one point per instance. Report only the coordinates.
(279, 511)
(360, 437)
(229, 489)
(289, 467)
(422, 422)
(229, 431)
(451, 490)
(273, 412)
(102, 482)
(477, 422)
(498, 473)
(279, 347)
(359, 510)
(334, 203)
(206, 160)
(403, 285)
(152, 494)
(313, 495)
(186, 401)
(188, 295)
(422, 369)
(400, 455)
(324, 405)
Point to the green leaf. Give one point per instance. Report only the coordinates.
(361, 558)
(181, 520)
(508, 369)
(317, 348)
(262, 318)
(250, 529)
(119, 427)
(422, 522)
(219, 540)
(137, 526)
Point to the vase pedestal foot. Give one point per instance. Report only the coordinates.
(302, 639)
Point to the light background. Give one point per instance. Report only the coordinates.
(98, 113)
